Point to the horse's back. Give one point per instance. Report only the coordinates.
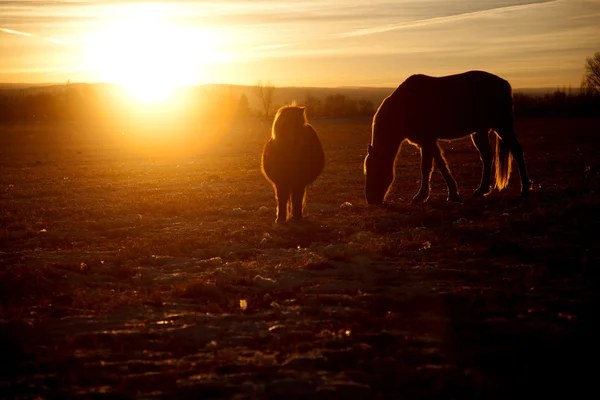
(464, 85)
(452, 105)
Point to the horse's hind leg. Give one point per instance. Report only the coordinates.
(427, 152)
(283, 196)
(298, 197)
(482, 143)
(508, 136)
(442, 165)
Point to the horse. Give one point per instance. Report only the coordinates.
(292, 159)
(424, 109)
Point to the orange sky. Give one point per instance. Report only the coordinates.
(300, 43)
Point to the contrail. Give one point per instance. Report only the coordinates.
(437, 20)
(20, 33)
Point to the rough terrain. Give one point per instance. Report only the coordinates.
(135, 266)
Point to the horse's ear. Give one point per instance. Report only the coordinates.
(370, 149)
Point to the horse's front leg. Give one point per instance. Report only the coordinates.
(283, 197)
(427, 153)
(298, 197)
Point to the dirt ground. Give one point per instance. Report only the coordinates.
(144, 262)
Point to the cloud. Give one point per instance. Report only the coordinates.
(438, 20)
(272, 46)
(20, 33)
(13, 32)
(59, 41)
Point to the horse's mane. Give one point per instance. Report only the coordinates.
(288, 121)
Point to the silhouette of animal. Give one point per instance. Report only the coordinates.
(424, 109)
(292, 159)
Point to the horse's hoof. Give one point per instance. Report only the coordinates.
(526, 189)
(419, 199)
(454, 197)
(280, 221)
(480, 192)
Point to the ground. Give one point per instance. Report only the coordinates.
(145, 262)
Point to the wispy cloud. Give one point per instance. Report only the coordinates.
(272, 46)
(335, 42)
(60, 41)
(438, 20)
(13, 32)
(27, 34)
(267, 47)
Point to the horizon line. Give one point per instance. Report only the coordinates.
(34, 84)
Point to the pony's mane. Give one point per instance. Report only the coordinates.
(288, 120)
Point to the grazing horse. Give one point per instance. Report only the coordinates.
(424, 109)
(292, 159)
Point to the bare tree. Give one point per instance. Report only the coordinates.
(591, 79)
(313, 104)
(265, 94)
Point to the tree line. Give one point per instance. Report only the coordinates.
(560, 103)
(88, 102)
(85, 102)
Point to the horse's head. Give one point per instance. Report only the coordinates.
(379, 175)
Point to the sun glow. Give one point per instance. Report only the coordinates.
(151, 57)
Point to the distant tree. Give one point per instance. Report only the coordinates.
(7, 108)
(265, 94)
(591, 79)
(312, 104)
(217, 103)
(366, 107)
(338, 105)
(243, 109)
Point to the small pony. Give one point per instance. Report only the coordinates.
(292, 159)
(424, 109)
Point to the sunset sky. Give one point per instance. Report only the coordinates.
(296, 43)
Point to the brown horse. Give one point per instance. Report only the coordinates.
(292, 159)
(424, 109)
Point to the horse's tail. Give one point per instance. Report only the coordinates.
(502, 162)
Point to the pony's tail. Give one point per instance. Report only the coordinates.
(502, 161)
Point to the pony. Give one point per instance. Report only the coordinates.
(424, 109)
(292, 159)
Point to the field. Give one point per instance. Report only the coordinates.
(139, 265)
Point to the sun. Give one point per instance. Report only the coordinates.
(149, 56)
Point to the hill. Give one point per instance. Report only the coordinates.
(282, 95)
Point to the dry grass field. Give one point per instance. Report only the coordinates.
(145, 262)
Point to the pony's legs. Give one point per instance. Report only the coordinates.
(427, 153)
(482, 143)
(508, 135)
(298, 194)
(442, 165)
(283, 196)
